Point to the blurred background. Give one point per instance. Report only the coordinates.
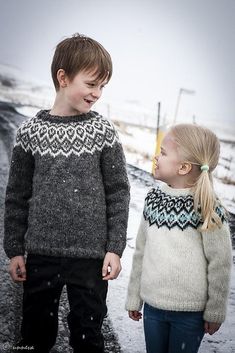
(159, 47)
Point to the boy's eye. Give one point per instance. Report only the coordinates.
(94, 84)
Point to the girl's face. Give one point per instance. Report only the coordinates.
(81, 93)
(168, 162)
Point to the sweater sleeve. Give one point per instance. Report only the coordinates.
(218, 252)
(18, 193)
(117, 193)
(134, 301)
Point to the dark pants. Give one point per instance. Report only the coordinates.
(172, 331)
(86, 291)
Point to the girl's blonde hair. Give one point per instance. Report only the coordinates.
(201, 147)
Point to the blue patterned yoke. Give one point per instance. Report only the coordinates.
(163, 209)
(170, 211)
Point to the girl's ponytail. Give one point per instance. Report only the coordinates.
(205, 199)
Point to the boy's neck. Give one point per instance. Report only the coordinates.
(60, 108)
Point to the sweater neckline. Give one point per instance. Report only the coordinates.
(45, 115)
(175, 192)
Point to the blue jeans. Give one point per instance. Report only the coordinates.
(172, 331)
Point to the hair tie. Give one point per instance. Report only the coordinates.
(205, 168)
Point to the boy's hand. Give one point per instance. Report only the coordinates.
(111, 266)
(211, 327)
(17, 269)
(135, 315)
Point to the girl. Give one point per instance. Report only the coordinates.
(183, 257)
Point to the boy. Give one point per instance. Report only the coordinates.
(67, 203)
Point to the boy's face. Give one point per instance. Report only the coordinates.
(80, 93)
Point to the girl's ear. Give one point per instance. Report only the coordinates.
(62, 78)
(185, 168)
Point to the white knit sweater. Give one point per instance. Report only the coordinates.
(175, 266)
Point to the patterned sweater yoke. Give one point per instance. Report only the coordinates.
(53, 135)
(68, 190)
(163, 209)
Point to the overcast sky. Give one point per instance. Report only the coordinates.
(157, 46)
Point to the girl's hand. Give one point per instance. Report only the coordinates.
(111, 266)
(211, 327)
(17, 269)
(135, 315)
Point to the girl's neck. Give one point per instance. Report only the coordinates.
(178, 185)
(181, 183)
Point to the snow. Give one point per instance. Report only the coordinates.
(130, 333)
(18, 87)
(139, 145)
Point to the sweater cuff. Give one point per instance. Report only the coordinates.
(13, 248)
(13, 253)
(214, 316)
(133, 304)
(116, 248)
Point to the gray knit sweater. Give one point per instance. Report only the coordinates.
(68, 191)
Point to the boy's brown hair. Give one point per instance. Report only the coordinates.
(81, 53)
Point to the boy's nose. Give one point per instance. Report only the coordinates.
(96, 92)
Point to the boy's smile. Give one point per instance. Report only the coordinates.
(89, 101)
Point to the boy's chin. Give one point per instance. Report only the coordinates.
(87, 110)
(83, 111)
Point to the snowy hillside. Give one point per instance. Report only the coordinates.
(17, 87)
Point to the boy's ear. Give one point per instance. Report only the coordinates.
(62, 78)
(185, 168)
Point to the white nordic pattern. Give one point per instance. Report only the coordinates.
(58, 138)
